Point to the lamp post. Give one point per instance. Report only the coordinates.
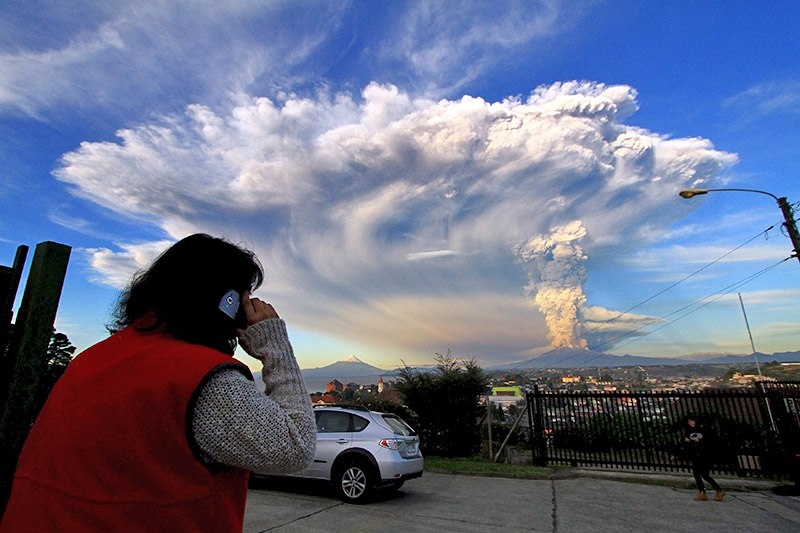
(788, 217)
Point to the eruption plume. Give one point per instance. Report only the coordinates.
(556, 275)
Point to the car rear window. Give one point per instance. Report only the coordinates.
(398, 425)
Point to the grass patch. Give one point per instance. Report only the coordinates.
(478, 466)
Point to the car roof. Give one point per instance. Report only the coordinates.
(343, 407)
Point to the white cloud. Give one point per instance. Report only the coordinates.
(447, 44)
(663, 258)
(773, 300)
(764, 99)
(116, 268)
(30, 80)
(124, 58)
(336, 194)
(133, 55)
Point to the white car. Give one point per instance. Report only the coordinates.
(360, 451)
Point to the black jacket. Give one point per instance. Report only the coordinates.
(703, 446)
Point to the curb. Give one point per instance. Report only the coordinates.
(682, 480)
(675, 480)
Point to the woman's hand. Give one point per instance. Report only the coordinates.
(256, 310)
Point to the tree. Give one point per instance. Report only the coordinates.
(444, 405)
(731, 372)
(383, 405)
(59, 354)
(348, 395)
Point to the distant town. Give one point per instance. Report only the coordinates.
(649, 378)
(690, 377)
(338, 392)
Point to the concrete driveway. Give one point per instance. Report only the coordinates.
(443, 502)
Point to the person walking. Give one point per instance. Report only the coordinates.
(157, 427)
(699, 440)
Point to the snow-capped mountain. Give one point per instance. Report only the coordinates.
(351, 366)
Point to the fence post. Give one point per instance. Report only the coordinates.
(9, 284)
(536, 423)
(27, 351)
(782, 439)
(648, 447)
(531, 433)
(489, 424)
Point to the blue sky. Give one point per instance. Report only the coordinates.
(490, 178)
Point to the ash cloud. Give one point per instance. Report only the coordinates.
(403, 222)
(556, 274)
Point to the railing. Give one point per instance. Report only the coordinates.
(757, 430)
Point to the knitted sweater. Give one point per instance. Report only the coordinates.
(237, 425)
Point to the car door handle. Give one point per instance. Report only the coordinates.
(342, 441)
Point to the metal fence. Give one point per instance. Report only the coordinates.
(757, 430)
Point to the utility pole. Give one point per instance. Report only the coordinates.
(758, 367)
(790, 224)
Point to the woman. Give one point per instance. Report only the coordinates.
(157, 427)
(698, 438)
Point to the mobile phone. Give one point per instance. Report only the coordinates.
(229, 304)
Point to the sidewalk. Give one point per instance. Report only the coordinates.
(673, 479)
(444, 502)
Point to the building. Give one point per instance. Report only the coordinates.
(334, 385)
(505, 396)
(323, 399)
(507, 391)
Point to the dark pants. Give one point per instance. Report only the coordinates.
(701, 470)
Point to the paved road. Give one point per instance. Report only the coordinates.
(442, 502)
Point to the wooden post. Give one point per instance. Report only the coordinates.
(9, 283)
(511, 432)
(28, 352)
(489, 423)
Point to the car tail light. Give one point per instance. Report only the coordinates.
(392, 444)
(404, 447)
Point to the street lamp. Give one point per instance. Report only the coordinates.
(786, 209)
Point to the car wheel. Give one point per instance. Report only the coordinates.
(354, 481)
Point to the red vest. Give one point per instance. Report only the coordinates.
(110, 451)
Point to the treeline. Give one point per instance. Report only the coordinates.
(442, 405)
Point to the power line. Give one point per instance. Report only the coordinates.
(690, 309)
(659, 293)
(705, 301)
(715, 261)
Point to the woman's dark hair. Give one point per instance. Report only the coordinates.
(181, 291)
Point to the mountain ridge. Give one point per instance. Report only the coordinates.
(351, 366)
(564, 358)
